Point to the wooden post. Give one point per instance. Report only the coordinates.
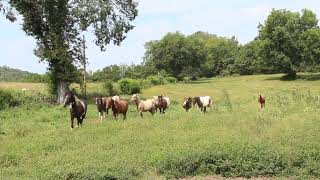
(84, 68)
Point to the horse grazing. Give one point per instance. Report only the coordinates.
(143, 106)
(262, 100)
(187, 104)
(161, 103)
(118, 106)
(78, 108)
(102, 107)
(203, 102)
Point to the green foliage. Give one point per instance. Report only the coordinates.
(5, 99)
(171, 80)
(110, 88)
(17, 75)
(156, 80)
(57, 27)
(284, 36)
(129, 86)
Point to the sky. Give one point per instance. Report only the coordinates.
(156, 18)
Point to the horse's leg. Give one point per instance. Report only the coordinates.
(104, 114)
(72, 123)
(140, 112)
(115, 115)
(124, 115)
(78, 121)
(205, 109)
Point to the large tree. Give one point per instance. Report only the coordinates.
(283, 41)
(57, 26)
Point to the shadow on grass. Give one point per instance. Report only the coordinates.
(306, 77)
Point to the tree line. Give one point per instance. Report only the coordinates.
(287, 42)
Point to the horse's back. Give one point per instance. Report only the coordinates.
(206, 100)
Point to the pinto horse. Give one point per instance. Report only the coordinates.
(262, 100)
(102, 107)
(203, 102)
(187, 104)
(78, 108)
(118, 106)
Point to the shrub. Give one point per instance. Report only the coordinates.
(130, 86)
(156, 80)
(171, 79)
(5, 99)
(109, 88)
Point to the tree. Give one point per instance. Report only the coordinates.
(57, 26)
(282, 39)
(176, 54)
(248, 60)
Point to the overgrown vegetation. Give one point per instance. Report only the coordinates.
(234, 139)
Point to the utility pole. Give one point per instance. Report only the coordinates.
(84, 67)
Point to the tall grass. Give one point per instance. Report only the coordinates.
(234, 139)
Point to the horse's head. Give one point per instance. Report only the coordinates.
(134, 98)
(99, 100)
(69, 99)
(187, 104)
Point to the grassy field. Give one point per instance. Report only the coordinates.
(234, 139)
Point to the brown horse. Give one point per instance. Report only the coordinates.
(118, 106)
(78, 108)
(162, 104)
(108, 104)
(101, 106)
(262, 100)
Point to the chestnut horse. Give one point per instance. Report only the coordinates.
(262, 100)
(78, 108)
(118, 106)
(162, 103)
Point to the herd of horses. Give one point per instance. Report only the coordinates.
(78, 108)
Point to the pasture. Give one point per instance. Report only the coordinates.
(233, 139)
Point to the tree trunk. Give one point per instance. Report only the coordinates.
(61, 91)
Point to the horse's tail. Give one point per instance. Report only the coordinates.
(210, 101)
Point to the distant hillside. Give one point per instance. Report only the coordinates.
(16, 75)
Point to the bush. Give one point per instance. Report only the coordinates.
(109, 88)
(171, 79)
(5, 99)
(156, 80)
(130, 86)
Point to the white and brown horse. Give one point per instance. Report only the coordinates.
(203, 102)
(187, 104)
(143, 106)
(78, 108)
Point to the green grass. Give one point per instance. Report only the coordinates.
(234, 139)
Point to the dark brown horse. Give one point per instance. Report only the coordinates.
(78, 108)
(187, 104)
(118, 106)
(162, 104)
(262, 100)
(101, 106)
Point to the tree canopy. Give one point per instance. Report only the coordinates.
(57, 26)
